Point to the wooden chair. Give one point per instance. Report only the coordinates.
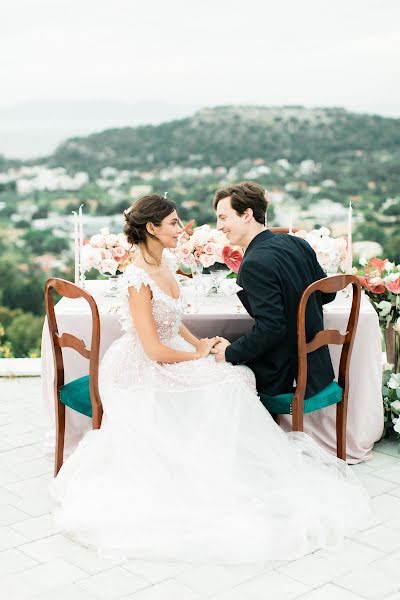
(334, 393)
(185, 273)
(283, 229)
(80, 394)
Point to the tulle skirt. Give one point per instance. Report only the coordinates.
(190, 466)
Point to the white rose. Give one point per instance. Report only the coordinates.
(389, 266)
(394, 381)
(97, 241)
(90, 257)
(391, 277)
(324, 231)
(395, 405)
(122, 241)
(384, 307)
(207, 260)
(201, 235)
(387, 367)
(111, 240)
(105, 231)
(396, 425)
(109, 266)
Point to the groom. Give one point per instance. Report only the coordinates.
(275, 270)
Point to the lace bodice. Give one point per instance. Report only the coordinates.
(167, 311)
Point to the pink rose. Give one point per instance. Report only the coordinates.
(118, 252)
(378, 263)
(394, 286)
(209, 248)
(374, 285)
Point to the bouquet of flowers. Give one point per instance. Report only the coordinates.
(391, 399)
(108, 252)
(381, 282)
(331, 252)
(206, 246)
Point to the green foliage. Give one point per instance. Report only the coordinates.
(43, 242)
(24, 334)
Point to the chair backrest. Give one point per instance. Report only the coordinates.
(327, 336)
(180, 272)
(68, 340)
(282, 229)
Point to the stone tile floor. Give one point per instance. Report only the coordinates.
(38, 562)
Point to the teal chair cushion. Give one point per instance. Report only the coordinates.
(282, 403)
(76, 395)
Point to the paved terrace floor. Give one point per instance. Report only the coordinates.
(38, 562)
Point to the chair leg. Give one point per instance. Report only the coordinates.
(297, 420)
(341, 427)
(60, 436)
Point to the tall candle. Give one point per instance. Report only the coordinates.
(76, 247)
(80, 238)
(349, 240)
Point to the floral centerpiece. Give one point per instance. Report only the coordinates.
(331, 252)
(207, 247)
(108, 252)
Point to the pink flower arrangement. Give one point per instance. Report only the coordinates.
(380, 279)
(108, 252)
(207, 246)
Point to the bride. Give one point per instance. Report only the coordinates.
(188, 465)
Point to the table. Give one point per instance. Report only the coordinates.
(226, 317)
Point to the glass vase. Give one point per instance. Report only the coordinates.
(112, 285)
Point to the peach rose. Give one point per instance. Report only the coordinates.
(393, 286)
(373, 284)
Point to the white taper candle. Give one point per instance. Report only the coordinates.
(349, 240)
(80, 240)
(76, 247)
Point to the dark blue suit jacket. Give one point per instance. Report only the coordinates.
(275, 270)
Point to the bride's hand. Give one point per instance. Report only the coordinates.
(205, 345)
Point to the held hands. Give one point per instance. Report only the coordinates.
(219, 349)
(206, 345)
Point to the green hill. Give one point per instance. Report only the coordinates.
(227, 135)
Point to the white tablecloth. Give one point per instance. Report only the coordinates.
(226, 317)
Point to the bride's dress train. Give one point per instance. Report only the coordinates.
(188, 465)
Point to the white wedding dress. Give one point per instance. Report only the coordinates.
(188, 464)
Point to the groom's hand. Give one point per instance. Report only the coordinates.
(220, 342)
(219, 350)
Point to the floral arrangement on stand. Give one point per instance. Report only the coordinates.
(391, 400)
(331, 252)
(107, 252)
(381, 282)
(380, 279)
(206, 246)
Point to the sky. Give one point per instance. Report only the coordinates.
(77, 66)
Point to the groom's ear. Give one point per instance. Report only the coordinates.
(248, 214)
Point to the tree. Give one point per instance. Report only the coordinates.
(25, 333)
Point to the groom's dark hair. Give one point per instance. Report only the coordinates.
(245, 195)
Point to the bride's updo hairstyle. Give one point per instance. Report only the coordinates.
(148, 209)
